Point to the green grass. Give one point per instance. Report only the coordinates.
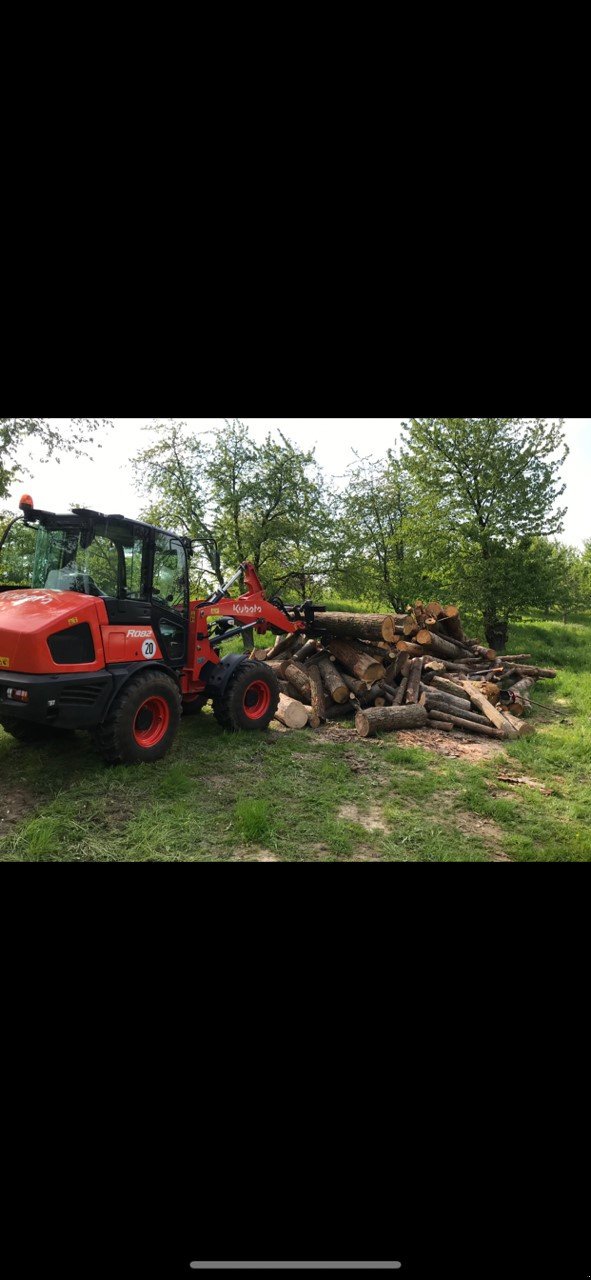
(305, 797)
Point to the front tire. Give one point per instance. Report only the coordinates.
(143, 721)
(250, 699)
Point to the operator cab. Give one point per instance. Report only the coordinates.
(139, 571)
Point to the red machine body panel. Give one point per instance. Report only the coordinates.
(29, 618)
(130, 644)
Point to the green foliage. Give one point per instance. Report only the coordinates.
(487, 491)
(376, 543)
(241, 500)
(18, 434)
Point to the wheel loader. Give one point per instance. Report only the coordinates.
(98, 632)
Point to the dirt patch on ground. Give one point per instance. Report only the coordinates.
(15, 804)
(255, 855)
(461, 746)
(372, 820)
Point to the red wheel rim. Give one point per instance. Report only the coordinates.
(257, 699)
(151, 722)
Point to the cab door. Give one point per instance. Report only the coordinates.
(170, 598)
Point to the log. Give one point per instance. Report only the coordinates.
(452, 709)
(290, 691)
(410, 627)
(285, 644)
(448, 686)
(516, 657)
(333, 682)
(435, 610)
(389, 720)
(452, 624)
(310, 647)
(520, 727)
(444, 726)
(537, 673)
(359, 664)
(522, 688)
(407, 646)
(298, 677)
(467, 725)
(364, 626)
(357, 687)
(313, 718)
(403, 686)
(290, 713)
(280, 667)
(318, 699)
(482, 704)
(414, 681)
(437, 645)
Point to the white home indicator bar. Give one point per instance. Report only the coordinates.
(296, 1266)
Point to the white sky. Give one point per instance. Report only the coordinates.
(105, 482)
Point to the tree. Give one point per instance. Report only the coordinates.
(16, 434)
(486, 488)
(238, 499)
(377, 556)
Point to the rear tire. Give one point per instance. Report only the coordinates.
(250, 699)
(143, 721)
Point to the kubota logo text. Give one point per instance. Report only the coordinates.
(247, 608)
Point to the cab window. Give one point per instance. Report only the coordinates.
(170, 573)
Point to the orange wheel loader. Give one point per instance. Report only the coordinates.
(97, 632)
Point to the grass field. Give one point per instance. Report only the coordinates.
(322, 796)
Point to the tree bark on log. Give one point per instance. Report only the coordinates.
(537, 673)
(290, 691)
(280, 667)
(298, 677)
(318, 700)
(366, 669)
(358, 687)
(333, 681)
(452, 708)
(467, 725)
(452, 624)
(523, 688)
(437, 645)
(414, 681)
(389, 719)
(290, 713)
(448, 686)
(364, 626)
(313, 717)
(407, 646)
(444, 726)
(310, 647)
(482, 704)
(286, 644)
(516, 657)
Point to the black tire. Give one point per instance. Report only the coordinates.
(119, 738)
(26, 731)
(250, 699)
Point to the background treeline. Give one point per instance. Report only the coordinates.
(465, 510)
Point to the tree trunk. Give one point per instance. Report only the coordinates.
(496, 632)
(291, 713)
(482, 704)
(448, 686)
(366, 669)
(318, 700)
(297, 676)
(389, 719)
(454, 707)
(333, 681)
(364, 626)
(437, 645)
(414, 681)
(467, 725)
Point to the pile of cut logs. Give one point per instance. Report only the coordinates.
(401, 671)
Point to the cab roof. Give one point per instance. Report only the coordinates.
(84, 518)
